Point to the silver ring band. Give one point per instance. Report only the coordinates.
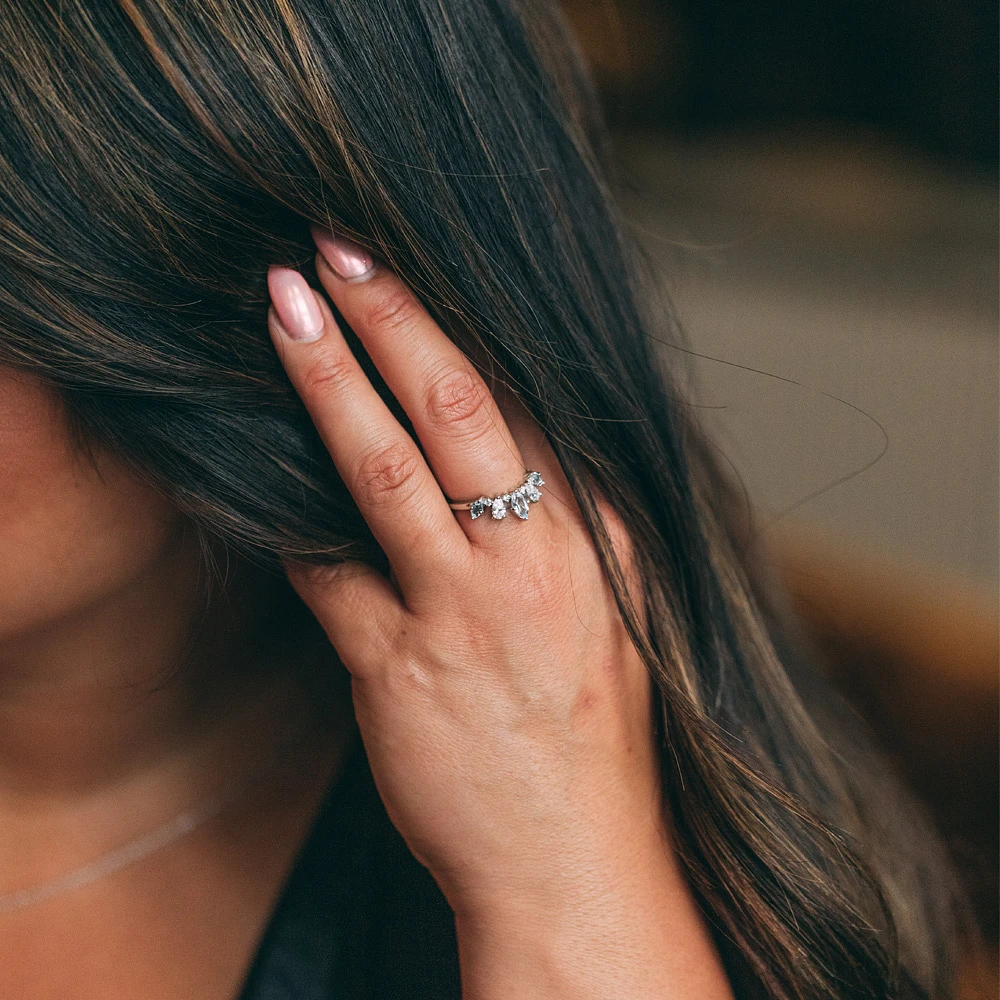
(518, 499)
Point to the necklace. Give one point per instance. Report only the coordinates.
(114, 860)
(143, 845)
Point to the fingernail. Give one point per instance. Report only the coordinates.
(350, 261)
(295, 304)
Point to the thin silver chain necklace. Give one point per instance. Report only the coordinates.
(145, 844)
(113, 861)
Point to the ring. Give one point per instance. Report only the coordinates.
(518, 498)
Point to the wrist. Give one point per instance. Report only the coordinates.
(564, 862)
(625, 925)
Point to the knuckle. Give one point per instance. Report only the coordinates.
(395, 309)
(456, 399)
(387, 475)
(327, 373)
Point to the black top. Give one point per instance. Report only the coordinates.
(359, 918)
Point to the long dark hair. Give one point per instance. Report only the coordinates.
(156, 156)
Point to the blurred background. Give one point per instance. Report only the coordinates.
(815, 188)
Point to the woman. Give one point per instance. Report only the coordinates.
(549, 750)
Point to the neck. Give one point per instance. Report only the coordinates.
(140, 678)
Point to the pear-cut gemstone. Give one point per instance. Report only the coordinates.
(519, 505)
(477, 506)
(532, 493)
(535, 478)
(499, 510)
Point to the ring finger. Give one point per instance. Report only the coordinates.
(464, 435)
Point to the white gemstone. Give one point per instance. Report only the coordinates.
(531, 492)
(499, 510)
(535, 478)
(519, 505)
(476, 508)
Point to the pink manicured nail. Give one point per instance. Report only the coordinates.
(349, 260)
(295, 304)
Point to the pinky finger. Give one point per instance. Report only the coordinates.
(357, 607)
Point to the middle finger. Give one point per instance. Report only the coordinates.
(375, 456)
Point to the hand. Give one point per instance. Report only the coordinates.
(505, 713)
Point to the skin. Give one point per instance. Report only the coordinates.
(511, 738)
(509, 730)
(95, 748)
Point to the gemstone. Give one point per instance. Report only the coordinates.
(519, 505)
(476, 508)
(531, 492)
(499, 510)
(535, 478)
